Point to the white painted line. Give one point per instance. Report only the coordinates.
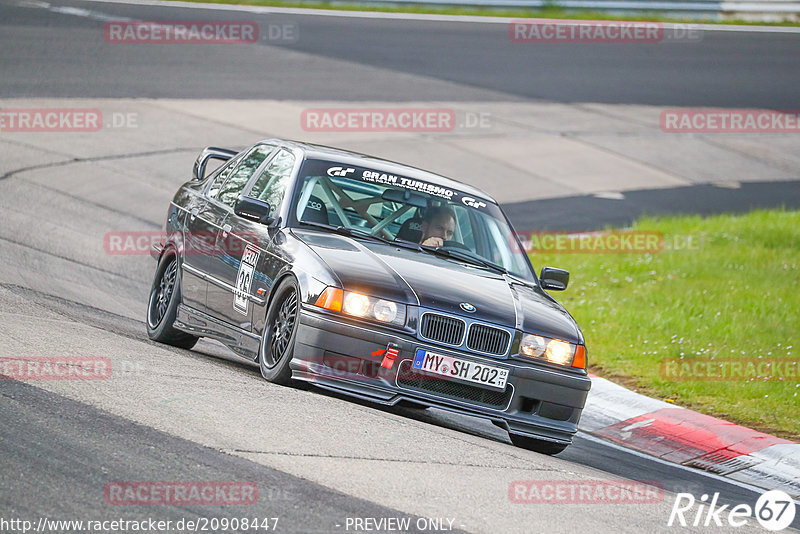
(33, 4)
(78, 12)
(609, 195)
(416, 16)
(727, 185)
(310, 12)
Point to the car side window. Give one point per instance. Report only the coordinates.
(213, 191)
(272, 184)
(229, 192)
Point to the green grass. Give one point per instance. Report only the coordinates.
(552, 11)
(733, 291)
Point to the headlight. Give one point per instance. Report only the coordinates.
(553, 350)
(385, 311)
(356, 304)
(560, 352)
(363, 306)
(533, 346)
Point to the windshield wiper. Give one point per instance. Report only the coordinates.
(466, 256)
(358, 232)
(407, 244)
(346, 230)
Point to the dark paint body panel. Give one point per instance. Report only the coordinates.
(318, 259)
(413, 277)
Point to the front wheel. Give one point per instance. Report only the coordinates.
(538, 445)
(280, 332)
(162, 308)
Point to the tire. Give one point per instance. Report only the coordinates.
(162, 307)
(538, 445)
(280, 333)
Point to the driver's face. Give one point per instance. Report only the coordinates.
(443, 227)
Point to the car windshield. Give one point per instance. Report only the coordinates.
(363, 201)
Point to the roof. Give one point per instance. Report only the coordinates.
(392, 167)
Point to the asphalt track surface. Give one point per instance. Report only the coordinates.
(206, 415)
(590, 212)
(450, 61)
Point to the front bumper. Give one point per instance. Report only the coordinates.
(336, 354)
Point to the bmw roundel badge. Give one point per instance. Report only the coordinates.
(467, 307)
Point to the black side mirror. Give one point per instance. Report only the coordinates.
(253, 209)
(555, 279)
(199, 169)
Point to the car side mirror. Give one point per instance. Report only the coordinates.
(555, 279)
(209, 153)
(254, 209)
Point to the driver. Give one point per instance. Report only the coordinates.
(438, 226)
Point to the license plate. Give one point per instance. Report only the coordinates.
(456, 368)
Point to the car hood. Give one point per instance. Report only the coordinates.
(441, 284)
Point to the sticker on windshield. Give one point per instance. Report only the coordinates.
(244, 279)
(473, 202)
(408, 183)
(340, 171)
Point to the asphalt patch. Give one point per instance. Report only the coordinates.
(595, 212)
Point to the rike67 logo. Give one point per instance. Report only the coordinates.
(774, 510)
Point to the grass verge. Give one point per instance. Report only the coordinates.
(547, 12)
(723, 288)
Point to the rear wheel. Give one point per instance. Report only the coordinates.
(162, 308)
(280, 332)
(538, 445)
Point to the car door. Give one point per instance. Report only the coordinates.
(199, 238)
(249, 245)
(222, 261)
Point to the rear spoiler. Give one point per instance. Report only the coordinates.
(210, 152)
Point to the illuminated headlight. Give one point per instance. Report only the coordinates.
(363, 306)
(553, 350)
(356, 304)
(560, 352)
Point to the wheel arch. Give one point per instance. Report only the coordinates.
(260, 320)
